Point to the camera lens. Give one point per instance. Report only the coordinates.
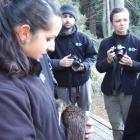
(120, 51)
(76, 65)
(76, 62)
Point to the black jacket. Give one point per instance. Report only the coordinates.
(47, 74)
(28, 110)
(132, 126)
(129, 74)
(77, 44)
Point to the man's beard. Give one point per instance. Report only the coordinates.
(67, 27)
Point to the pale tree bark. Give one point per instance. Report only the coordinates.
(104, 19)
(118, 3)
(92, 17)
(108, 17)
(112, 4)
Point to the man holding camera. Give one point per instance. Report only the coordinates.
(72, 60)
(119, 58)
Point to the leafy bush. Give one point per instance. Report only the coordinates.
(135, 30)
(96, 78)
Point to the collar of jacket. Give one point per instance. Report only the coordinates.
(118, 38)
(35, 67)
(63, 33)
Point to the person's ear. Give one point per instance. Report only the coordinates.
(23, 33)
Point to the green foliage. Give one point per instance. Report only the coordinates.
(135, 30)
(96, 81)
(65, 2)
(97, 43)
(134, 8)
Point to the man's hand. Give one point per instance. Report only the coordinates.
(89, 127)
(66, 61)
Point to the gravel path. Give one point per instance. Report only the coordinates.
(98, 107)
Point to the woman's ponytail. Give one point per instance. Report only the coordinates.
(10, 51)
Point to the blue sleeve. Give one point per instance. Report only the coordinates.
(136, 63)
(90, 53)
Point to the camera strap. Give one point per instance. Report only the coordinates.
(117, 76)
(74, 99)
(117, 68)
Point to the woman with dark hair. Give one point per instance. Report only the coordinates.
(27, 106)
(28, 111)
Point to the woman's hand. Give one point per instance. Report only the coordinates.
(126, 60)
(110, 55)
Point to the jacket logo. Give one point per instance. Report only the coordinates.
(78, 44)
(132, 49)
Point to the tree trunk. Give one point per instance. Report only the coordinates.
(118, 3)
(112, 4)
(108, 18)
(92, 17)
(88, 6)
(104, 19)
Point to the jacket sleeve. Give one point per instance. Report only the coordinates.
(54, 60)
(136, 66)
(90, 54)
(15, 120)
(102, 65)
(55, 64)
(131, 131)
(134, 53)
(136, 63)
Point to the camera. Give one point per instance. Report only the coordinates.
(119, 51)
(77, 61)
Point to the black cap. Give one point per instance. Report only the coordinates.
(68, 9)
